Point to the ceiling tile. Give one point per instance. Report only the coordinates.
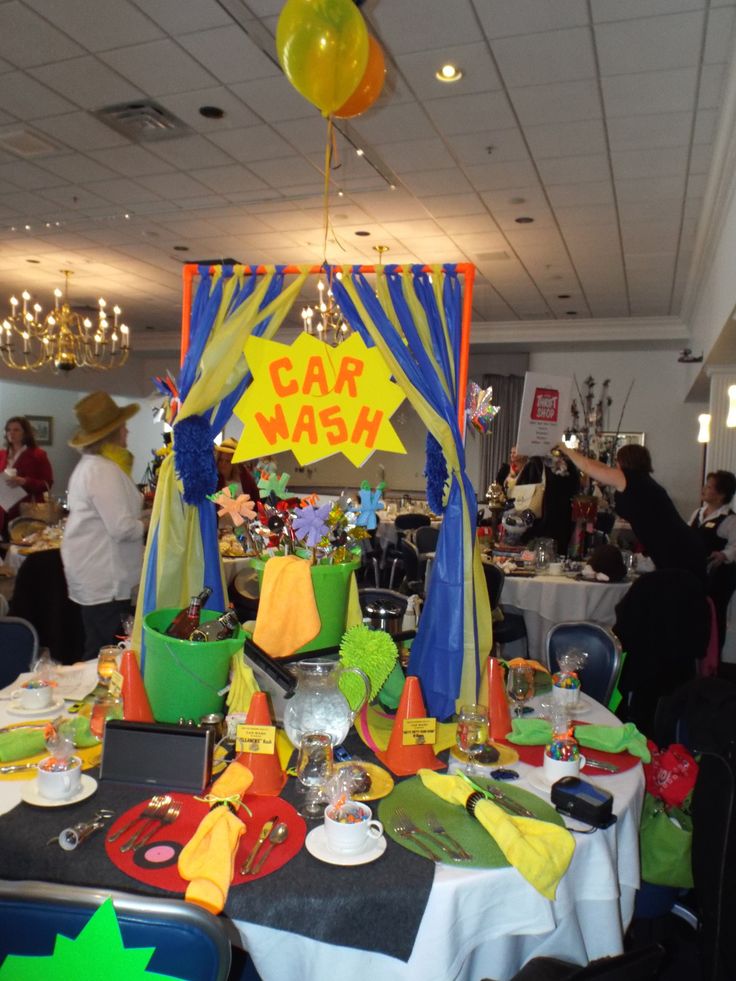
(124, 192)
(286, 172)
(74, 198)
(414, 155)
(98, 24)
(649, 44)
(504, 144)
(607, 10)
(432, 182)
(498, 176)
(589, 214)
(29, 176)
(173, 186)
(191, 151)
(706, 122)
(719, 35)
(393, 123)
(274, 99)
(26, 39)
(561, 103)
(701, 158)
(560, 170)
(186, 106)
(306, 134)
(711, 86)
(503, 18)
(452, 20)
(668, 129)
(132, 161)
(226, 179)
(540, 59)
(176, 17)
(76, 167)
(463, 114)
(25, 98)
(87, 82)
(229, 54)
(566, 139)
(452, 205)
(650, 92)
(384, 204)
(479, 71)
(253, 143)
(79, 129)
(159, 67)
(653, 188)
(670, 162)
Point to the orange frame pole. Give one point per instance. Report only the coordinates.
(466, 269)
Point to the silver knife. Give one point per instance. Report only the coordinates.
(600, 765)
(497, 796)
(18, 767)
(265, 832)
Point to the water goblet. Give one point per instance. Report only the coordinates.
(107, 663)
(520, 687)
(472, 733)
(314, 768)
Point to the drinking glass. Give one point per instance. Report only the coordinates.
(107, 662)
(472, 733)
(520, 688)
(314, 768)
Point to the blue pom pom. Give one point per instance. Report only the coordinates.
(435, 470)
(195, 461)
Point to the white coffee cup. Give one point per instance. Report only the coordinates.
(34, 695)
(555, 770)
(555, 568)
(349, 838)
(57, 780)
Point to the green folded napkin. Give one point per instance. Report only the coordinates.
(530, 732)
(20, 743)
(614, 739)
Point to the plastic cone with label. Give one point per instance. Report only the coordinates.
(268, 777)
(499, 717)
(136, 707)
(401, 759)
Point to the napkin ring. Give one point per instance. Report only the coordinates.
(472, 801)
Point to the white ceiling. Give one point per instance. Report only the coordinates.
(596, 118)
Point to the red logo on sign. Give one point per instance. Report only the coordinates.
(545, 405)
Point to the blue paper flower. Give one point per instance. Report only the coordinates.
(310, 524)
(370, 503)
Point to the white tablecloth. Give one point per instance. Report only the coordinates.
(478, 923)
(546, 600)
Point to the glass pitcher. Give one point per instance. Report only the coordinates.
(545, 553)
(318, 705)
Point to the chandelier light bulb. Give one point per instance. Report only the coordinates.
(731, 417)
(704, 431)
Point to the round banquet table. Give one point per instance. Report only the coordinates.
(546, 600)
(478, 923)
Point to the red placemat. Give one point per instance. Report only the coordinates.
(534, 756)
(156, 863)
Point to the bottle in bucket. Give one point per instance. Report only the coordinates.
(225, 626)
(187, 620)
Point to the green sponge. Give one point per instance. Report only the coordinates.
(374, 652)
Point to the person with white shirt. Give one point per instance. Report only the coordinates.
(102, 548)
(715, 522)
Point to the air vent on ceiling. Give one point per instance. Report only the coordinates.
(27, 144)
(143, 121)
(492, 256)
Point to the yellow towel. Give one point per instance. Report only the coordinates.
(207, 860)
(540, 851)
(287, 613)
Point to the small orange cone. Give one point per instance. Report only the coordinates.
(499, 717)
(136, 707)
(405, 760)
(268, 777)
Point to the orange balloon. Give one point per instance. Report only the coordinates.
(370, 85)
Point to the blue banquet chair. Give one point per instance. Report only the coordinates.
(18, 648)
(189, 942)
(512, 627)
(603, 664)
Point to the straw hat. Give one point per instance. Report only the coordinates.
(227, 446)
(97, 416)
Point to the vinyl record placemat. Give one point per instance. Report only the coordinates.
(414, 798)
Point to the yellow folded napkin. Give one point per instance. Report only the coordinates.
(207, 860)
(540, 851)
(287, 612)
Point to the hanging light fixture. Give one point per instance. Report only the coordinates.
(63, 338)
(326, 322)
(704, 431)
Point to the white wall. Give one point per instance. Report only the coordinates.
(655, 408)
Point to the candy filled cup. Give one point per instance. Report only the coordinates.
(350, 828)
(59, 779)
(555, 770)
(34, 695)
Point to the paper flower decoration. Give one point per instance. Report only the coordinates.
(270, 483)
(479, 410)
(310, 524)
(370, 503)
(240, 508)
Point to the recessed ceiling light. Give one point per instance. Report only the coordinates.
(571, 313)
(360, 151)
(525, 220)
(36, 262)
(363, 234)
(181, 248)
(448, 73)
(563, 296)
(517, 200)
(211, 112)
(341, 194)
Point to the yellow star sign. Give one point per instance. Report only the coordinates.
(317, 400)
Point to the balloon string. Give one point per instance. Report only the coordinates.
(328, 165)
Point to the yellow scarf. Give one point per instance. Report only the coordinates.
(120, 455)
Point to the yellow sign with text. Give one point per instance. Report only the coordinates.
(317, 400)
(255, 739)
(419, 732)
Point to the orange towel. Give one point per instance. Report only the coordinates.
(207, 860)
(287, 612)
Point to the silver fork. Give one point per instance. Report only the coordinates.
(168, 817)
(403, 824)
(403, 832)
(437, 828)
(134, 838)
(150, 810)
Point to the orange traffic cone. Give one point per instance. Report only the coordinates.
(499, 717)
(268, 777)
(136, 707)
(405, 760)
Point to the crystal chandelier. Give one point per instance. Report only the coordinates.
(326, 322)
(62, 338)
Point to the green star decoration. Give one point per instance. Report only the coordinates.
(97, 951)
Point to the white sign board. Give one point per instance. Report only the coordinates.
(545, 407)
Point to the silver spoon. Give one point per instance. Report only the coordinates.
(277, 837)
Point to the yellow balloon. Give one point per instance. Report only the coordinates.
(323, 48)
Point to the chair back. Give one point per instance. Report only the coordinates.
(406, 522)
(603, 663)
(18, 648)
(58, 620)
(495, 578)
(189, 942)
(426, 537)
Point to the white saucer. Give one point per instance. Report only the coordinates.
(18, 709)
(316, 844)
(31, 795)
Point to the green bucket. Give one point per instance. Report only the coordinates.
(331, 584)
(183, 678)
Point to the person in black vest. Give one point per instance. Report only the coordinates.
(715, 522)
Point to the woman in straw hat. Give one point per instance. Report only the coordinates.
(102, 549)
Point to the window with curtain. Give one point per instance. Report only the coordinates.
(507, 392)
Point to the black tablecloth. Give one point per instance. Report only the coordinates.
(376, 907)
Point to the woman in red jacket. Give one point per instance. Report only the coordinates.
(23, 464)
